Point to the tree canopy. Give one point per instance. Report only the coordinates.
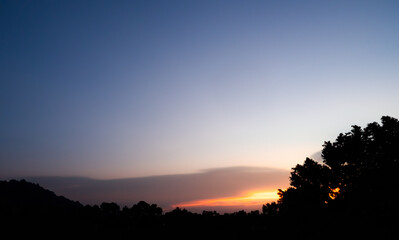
(358, 174)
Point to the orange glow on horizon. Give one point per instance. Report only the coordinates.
(249, 199)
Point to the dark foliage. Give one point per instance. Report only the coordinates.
(356, 185)
(351, 194)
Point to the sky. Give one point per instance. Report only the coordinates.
(111, 90)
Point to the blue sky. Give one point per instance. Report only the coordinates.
(114, 89)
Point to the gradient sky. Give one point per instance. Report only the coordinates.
(121, 89)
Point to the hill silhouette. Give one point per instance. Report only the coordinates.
(16, 194)
(27, 209)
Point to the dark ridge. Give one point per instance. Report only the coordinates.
(22, 195)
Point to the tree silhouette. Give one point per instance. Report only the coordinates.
(309, 191)
(358, 174)
(270, 209)
(365, 163)
(143, 209)
(110, 208)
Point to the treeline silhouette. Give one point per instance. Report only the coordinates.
(27, 209)
(352, 193)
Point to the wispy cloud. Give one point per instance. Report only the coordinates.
(170, 190)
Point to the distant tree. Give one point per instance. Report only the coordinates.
(110, 208)
(178, 212)
(270, 209)
(359, 172)
(143, 209)
(240, 213)
(254, 213)
(210, 213)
